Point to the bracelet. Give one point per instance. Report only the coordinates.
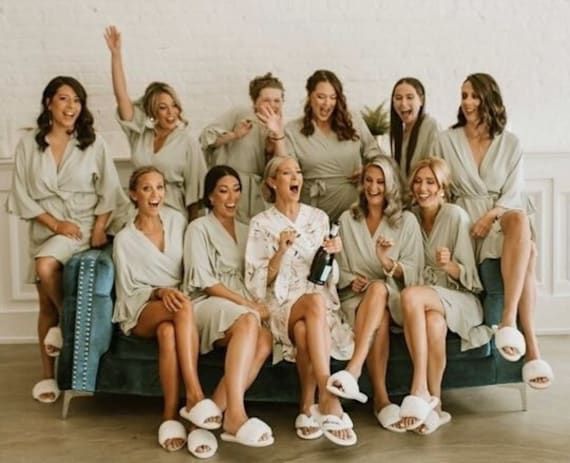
(392, 270)
(277, 138)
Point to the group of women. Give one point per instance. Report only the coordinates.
(236, 277)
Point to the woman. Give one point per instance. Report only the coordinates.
(449, 299)
(158, 134)
(330, 143)
(65, 184)
(413, 133)
(305, 319)
(244, 138)
(148, 270)
(226, 313)
(487, 175)
(382, 254)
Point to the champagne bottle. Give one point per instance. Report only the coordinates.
(322, 264)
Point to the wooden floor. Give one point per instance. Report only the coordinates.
(488, 425)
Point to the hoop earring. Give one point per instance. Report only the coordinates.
(150, 122)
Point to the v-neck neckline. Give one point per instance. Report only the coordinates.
(478, 168)
(228, 234)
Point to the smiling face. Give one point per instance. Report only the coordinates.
(407, 103)
(167, 112)
(288, 181)
(323, 102)
(225, 197)
(374, 187)
(65, 107)
(148, 194)
(470, 103)
(272, 97)
(426, 190)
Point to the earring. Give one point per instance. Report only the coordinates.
(50, 118)
(150, 122)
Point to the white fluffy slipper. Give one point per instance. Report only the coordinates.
(389, 417)
(171, 429)
(307, 421)
(200, 413)
(202, 438)
(343, 384)
(53, 340)
(46, 386)
(250, 434)
(510, 337)
(535, 369)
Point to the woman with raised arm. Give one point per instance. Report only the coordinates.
(486, 163)
(330, 144)
(447, 301)
(158, 134)
(148, 256)
(305, 318)
(382, 254)
(413, 133)
(226, 313)
(65, 184)
(244, 138)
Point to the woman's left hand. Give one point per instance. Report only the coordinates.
(333, 245)
(98, 238)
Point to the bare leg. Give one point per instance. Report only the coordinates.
(49, 271)
(377, 364)
(436, 333)
(369, 315)
(307, 379)
(514, 261)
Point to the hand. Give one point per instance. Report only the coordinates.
(359, 284)
(383, 245)
(333, 245)
(113, 39)
(286, 239)
(482, 227)
(242, 128)
(68, 229)
(172, 298)
(261, 309)
(355, 176)
(98, 238)
(442, 256)
(271, 120)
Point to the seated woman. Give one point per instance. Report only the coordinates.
(305, 319)
(413, 133)
(65, 184)
(382, 254)
(148, 260)
(226, 313)
(449, 299)
(158, 134)
(486, 163)
(244, 138)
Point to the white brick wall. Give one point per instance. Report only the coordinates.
(209, 49)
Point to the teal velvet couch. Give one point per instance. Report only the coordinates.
(97, 358)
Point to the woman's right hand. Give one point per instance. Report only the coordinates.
(68, 229)
(260, 308)
(242, 128)
(113, 39)
(172, 298)
(286, 239)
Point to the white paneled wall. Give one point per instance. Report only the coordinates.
(209, 50)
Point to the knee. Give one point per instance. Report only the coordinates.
(186, 310)
(247, 323)
(165, 335)
(514, 220)
(300, 336)
(47, 267)
(377, 290)
(314, 306)
(410, 299)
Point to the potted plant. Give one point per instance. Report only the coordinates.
(378, 122)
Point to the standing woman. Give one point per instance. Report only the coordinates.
(447, 301)
(330, 144)
(65, 184)
(413, 133)
(305, 319)
(244, 138)
(148, 259)
(486, 163)
(226, 313)
(382, 255)
(158, 134)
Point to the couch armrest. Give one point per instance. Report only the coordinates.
(493, 298)
(86, 321)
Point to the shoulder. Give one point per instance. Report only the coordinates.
(123, 236)
(430, 124)
(294, 125)
(346, 218)
(172, 217)
(314, 213)
(509, 137)
(409, 221)
(454, 212)
(27, 142)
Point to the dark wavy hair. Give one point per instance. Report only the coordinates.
(492, 111)
(393, 187)
(397, 126)
(138, 173)
(83, 129)
(268, 80)
(341, 121)
(212, 178)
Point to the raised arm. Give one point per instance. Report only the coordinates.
(113, 39)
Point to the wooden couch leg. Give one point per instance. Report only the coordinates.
(67, 396)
